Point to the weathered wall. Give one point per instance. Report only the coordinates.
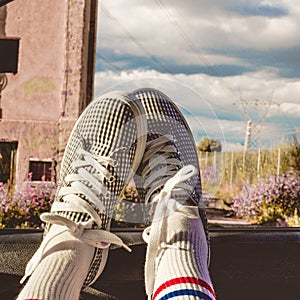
(76, 55)
(36, 140)
(35, 92)
(79, 65)
(31, 102)
(43, 100)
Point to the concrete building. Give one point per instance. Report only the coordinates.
(53, 83)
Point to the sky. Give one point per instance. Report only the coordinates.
(222, 62)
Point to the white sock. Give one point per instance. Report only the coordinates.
(182, 263)
(62, 270)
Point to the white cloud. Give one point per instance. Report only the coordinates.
(206, 100)
(287, 109)
(200, 90)
(185, 31)
(208, 33)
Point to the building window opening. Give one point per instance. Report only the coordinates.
(40, 170)
(8, 151)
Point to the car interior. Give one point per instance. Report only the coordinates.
(247, 261)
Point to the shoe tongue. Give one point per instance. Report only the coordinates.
(159, 208)
(179, 220)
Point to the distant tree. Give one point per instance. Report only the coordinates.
(204, 145)
(209, 145)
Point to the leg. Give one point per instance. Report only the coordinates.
(178, 244)
(103, 152)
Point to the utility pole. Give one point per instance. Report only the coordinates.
(248, 135)
(255, 111)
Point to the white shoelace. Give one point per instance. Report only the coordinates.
(165, 204)
(161, 163)
(73, 203)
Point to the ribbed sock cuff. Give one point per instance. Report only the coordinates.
(184, 286)
(61, 272)
(182, 263)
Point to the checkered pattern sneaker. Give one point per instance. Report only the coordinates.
(103, 152)
(170, 166)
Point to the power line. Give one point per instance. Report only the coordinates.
(134, 40)
(98, 55)
(261, 108)
(253, 122)
(187, 39)
(191, 45)
(182, 32)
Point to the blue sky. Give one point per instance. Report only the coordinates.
(223, 62)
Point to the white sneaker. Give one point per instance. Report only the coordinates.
(104, 150)
(169, 174)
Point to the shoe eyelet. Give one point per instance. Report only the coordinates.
(111, 179)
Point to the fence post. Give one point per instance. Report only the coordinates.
(258, 163)
(278, 161)
(231, 169)
(215, 164)
(200, 158)
(244, 163)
